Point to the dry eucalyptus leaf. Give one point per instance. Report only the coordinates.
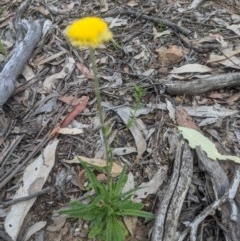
(131, 223)
(35, 228)
(116, 169)
(34, 177)
(157, 34)
(136, 127)
(191, 68)
(70, 131)
(120, 151)
(196, 139)
(132, 3)
(152, 186)
(183, 119)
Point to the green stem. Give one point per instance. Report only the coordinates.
(108, 152)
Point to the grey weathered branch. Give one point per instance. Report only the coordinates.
(18, 58)
(199, 86)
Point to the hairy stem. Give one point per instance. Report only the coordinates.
(108, 152)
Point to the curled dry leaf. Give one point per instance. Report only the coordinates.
(35, 228)
(84, 70)
(152, 186)
(169, 56)
(132, 3)
(58, 223)
(77, 109)
(183, 119)
(82, 179)
(116, 169)
(71, 100)
(131, 223)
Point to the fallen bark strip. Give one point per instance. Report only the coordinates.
(166, 222)
(196, 87)
(19, 56)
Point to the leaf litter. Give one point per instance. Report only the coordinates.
(56, 69)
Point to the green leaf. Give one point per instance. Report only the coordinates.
(128, 194)
(195, 139)
(119, 185)
(128, 204)
(3, 49)
(137, 213)
(97, 186)
(120, 231)
(85, 211)
(106, 209)
(115, 230)
(96, 229)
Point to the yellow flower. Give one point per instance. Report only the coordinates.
(88, 32)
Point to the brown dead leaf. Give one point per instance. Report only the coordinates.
(84, 70)
(232, 99)
(116, 169)
(183, 119)
(58, 224)
(169, 56)
(215, 95)
(1, 140)
(82, 179)
(131, 223)
(77, 109)
(102, 177)
(70, 100)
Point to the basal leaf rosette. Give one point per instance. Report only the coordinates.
(88, 32)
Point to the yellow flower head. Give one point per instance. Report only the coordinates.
(88, 32)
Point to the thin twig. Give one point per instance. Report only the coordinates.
(156, 19)
(25, 198)
(18, 167)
